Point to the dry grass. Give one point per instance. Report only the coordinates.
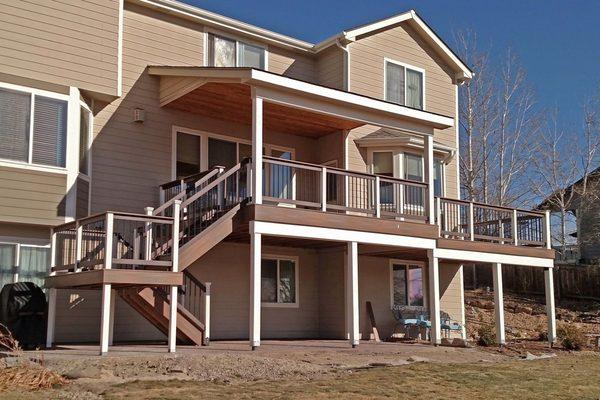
(24, 375)
(565, 377)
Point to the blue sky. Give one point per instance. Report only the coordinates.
(558, 42)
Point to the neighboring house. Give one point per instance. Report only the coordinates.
(586, 209)
(338, 182)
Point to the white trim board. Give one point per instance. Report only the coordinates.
(339, 235)
(475, 256)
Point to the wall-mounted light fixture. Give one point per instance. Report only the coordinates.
(139, 115)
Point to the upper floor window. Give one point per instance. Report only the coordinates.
(404, 85)
(33, 128)
(224, 52)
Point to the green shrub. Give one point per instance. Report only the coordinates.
(486, 336)
(571, 337)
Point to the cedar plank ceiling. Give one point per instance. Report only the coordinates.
(232, 102)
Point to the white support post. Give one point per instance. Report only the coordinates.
(434, 298)
(161, 196)
(108, 242)
(471, 222)
(463, 319)
(547, 232)
(111, 319)
(438, 215)
(175, 268)
(206, 338)
(78, 240)
(429, 177)
(515, 228)
(148, 234)
(323, 189)
(255, 285)
(105, 319)
(498, 303)
(377, 197)
(550, 309)
(249, 179)
(257, 148)
(352, 309)
(51, 294)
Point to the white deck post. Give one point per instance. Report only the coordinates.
(78, 242)
(429, 177)
(463, 319)
(148, 230)
(206, 338)
(471, 221)
(434, 298)
(51, 323)
(257, 148)
(550, 310)
(377, 197)
(105, 318)
(323, 189)
(255, 292)
(498, 303)
(175, 268)
(515, 228)
(547, 232)
(352, 292)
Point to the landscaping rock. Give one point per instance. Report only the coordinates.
(530, 356)
(417, 359)
(90, 372)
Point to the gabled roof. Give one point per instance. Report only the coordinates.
(592, 177)
(463, 72)
(208, 18)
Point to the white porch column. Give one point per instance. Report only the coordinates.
(255, 268)
(105, 318)
(463, 319)
(173, 300)
(498, 303)
(428, 163)
(257, 148)
(550, 310)
(434, 298)
(352, 293)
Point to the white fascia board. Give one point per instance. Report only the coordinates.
(229, 24)
(352, 34)
(339, 235)
(398, 141)
(438, 121)
(476, 256)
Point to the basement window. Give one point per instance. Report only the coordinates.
(279, 281)
(225, 52)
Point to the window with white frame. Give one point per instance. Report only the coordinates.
(438, 178)
(225, 52)
(404, 85)
(84, 140)
(33, 127)
(279, 280)
(406, 284)
(23, 263)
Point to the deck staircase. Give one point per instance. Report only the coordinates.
(208, 204)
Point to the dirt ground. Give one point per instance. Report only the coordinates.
(331, 369)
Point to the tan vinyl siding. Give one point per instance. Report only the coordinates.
(33, 197)
(131, 159)
(291, 64)
(402, 44)
(71, 42)
(227, 268)
(330, 68)
(450, 291)
(83, 197)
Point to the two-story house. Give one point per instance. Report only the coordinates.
(151, 150)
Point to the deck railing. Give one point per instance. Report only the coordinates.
(459, 219)
(114, 240)
(331, 189)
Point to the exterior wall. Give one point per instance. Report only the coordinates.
(332, 305)
(227, 268)
(291, 64)
(30, 196)
(588, 219)
(71, 43)
(78, 319)
(450, 291)
(330, 68)
(130, 160)
(402, 44)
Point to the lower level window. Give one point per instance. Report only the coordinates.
(279, 280)
(23, 263)
(407, 285)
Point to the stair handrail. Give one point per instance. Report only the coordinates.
(214, 183)
(180, 196)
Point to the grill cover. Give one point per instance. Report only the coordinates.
(23, 311)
